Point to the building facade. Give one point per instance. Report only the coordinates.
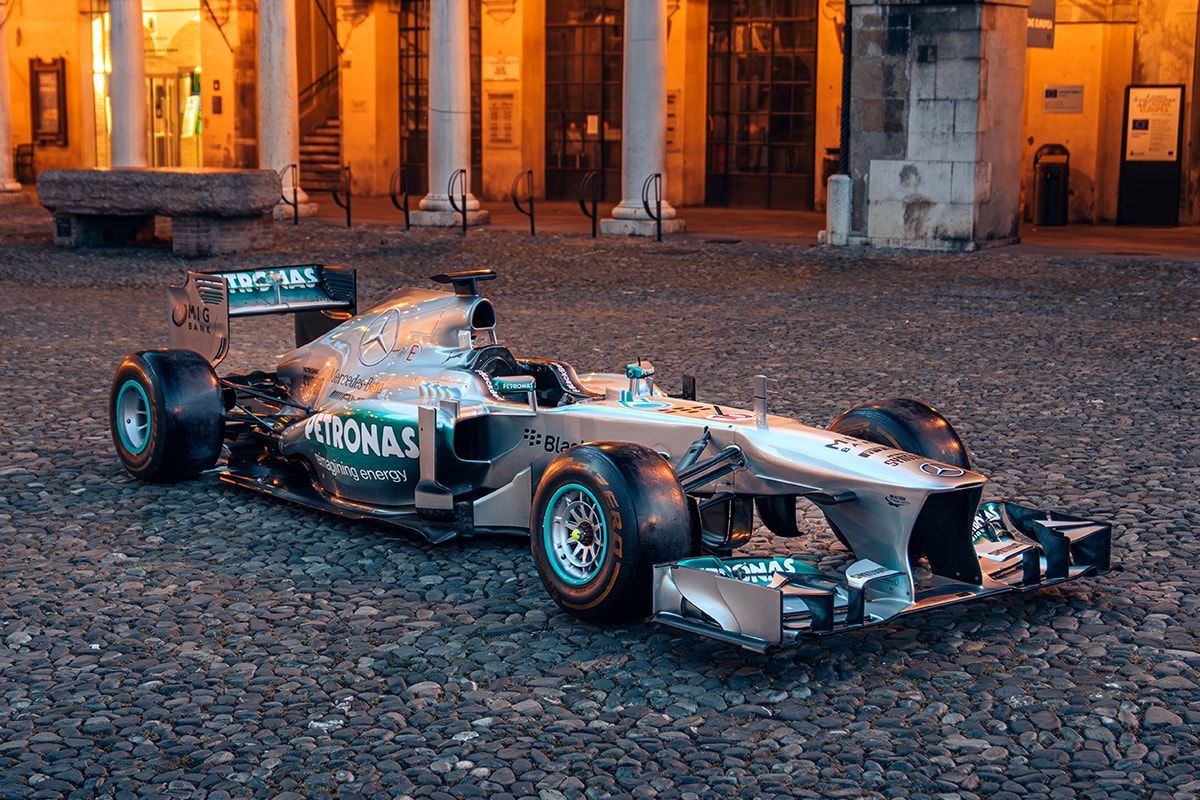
(737, 103)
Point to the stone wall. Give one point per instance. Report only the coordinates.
(936, 122)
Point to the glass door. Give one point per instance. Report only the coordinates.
(584, 47)
(761, 103)
(163, 123)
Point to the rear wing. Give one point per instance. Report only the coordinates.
(320, 297)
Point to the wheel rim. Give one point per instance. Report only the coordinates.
(133, 417)
(575, 534)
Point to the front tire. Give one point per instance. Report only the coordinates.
(167, 415)
(908, 425)
(603, 515)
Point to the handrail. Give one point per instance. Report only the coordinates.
(332, 28)
(588, 186)
(459, 176)
(220, 28)
(343, 181)
(398, 185)
(654, 180)
(308, 92)
(527, 176)
(295, 201)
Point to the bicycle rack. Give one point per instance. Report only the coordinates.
(459, 176)
(654, 181)
(295, 201)
(527, 176)
(343, 182)
(590, 190)
(398, 191)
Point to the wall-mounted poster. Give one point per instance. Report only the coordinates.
(501, 117)
(501, 68)
(48, 100)
(1062, 99)
(1151, 169)
(1152, 123)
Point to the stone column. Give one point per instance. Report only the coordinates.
(643, 120)
(10, 190)
(278, 97)
(449, 113)
(935, 155)
(127, 83)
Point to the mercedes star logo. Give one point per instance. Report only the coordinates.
(378, 339)
(937, 470)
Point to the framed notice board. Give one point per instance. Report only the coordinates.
(48, 100)
(1151, 166)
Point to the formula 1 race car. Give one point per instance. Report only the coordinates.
(412, 413)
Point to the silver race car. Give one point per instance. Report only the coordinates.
(412, 413)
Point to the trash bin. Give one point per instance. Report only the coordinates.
(1052, 181)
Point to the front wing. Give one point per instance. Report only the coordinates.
(764, 603)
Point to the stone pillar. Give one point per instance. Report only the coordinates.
(278, 98)
(449, 114)
(936, 145)
(10, 190)
(127, 83)
(643, 120)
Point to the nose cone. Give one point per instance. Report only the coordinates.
(834, 461)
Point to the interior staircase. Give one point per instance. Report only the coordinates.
(321, 156)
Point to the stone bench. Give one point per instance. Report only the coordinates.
(212, 211)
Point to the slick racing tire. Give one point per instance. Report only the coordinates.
(167, 415)
(603, 515)
(908, 425)
(778, 514)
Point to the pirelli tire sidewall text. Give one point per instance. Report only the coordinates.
(647, 519)
(186, 414)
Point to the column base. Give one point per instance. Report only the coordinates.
(283, 212)
(449, 219)
(640, 227)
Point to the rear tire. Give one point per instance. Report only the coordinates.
(908, 425)
(167, 415)
(603, 515)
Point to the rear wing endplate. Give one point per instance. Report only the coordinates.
(320, 297)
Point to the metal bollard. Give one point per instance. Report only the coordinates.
(344, 182)
(459, 176)
(654, 181)
(398, 191)
(527, 176)
(295, 201)
(589, 189)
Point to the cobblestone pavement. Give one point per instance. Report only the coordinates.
(194, 641)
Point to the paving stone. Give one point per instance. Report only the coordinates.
(192, 640)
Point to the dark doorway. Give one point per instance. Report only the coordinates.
(762, 65)
(583, 95)
(414, 97)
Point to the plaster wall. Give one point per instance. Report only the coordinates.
(54, 29)
(1165, 51)
(370, 94)
(220, 40)
(506, 142)
(1092, 48)
(828, 133)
